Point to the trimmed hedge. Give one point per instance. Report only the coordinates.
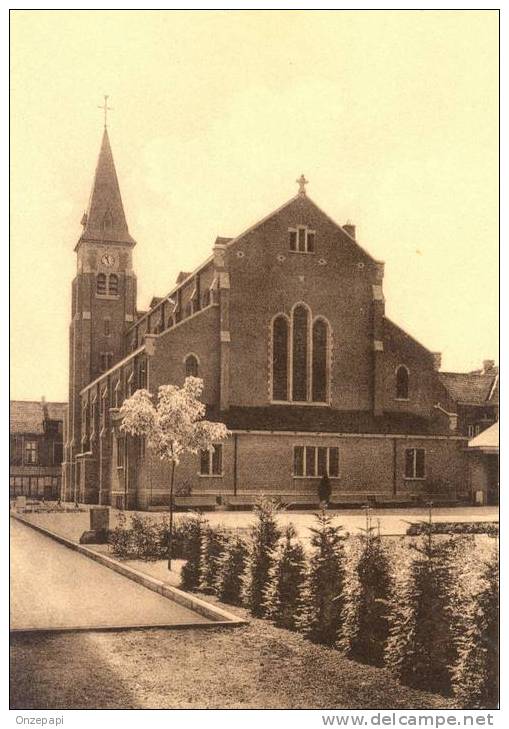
(454, 527)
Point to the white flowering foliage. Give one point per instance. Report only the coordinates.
(174, 425)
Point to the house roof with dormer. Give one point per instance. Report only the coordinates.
(26, 416)
(472, 388)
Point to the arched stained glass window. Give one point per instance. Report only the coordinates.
(280, 336)
(402, 383)
(300, 354)
(320, 336)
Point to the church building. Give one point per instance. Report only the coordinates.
(285, 323)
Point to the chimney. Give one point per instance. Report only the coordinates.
(488, 365)
(437, 360)
(349, 228)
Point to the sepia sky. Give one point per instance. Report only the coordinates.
(392, 116)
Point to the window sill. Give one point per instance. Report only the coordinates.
(211, 475)
(110, 297)
(414, 478)
(303, 253)
(302, 403)
(300, 478)
(402, 399)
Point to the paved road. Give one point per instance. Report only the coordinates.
(53, 587)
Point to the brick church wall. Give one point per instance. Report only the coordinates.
(339, 289)
(198, 335)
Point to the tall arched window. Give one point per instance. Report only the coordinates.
(280, 358)
(320, 336)
(301, 346)
(402, 383)
(101, 283)
(113, 284)
(191, 364)
(300, 354)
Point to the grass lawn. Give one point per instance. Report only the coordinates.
(255, 666)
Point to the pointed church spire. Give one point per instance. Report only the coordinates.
(105, 218)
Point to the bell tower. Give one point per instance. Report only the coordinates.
(103, 297)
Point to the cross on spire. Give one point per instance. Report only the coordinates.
(106, 109)
(302, 182)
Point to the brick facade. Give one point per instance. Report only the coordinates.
(296, 264)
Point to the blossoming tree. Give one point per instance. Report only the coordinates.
(172, 427)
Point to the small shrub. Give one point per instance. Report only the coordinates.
(212, 546)
(120, 539)
(183, 527)
(476, 675)
(190, 573)
(285, 581)
(320, 616)
(264, 535)
(230, 568)
(145, 537)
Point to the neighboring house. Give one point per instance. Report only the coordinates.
(286, 325)
(35, 448)
(483, 452)
(476, 396)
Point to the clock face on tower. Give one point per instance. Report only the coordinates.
(108, 259)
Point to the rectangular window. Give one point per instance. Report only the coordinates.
(298, 461)
(211, 461)
(15, 444)
(313, 461)
(334, 462)
(107, 327)
(31, 451)
(470, 431)
(301, 239)
(120, 452)
(310, 461)
(477, 429)
(204, 463)
(322, 461)
(414, 463)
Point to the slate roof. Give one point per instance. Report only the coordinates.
(28, 416)
(324, 420)
(105, 218)
(473, 388)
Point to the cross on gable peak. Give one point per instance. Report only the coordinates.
(302, 182)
